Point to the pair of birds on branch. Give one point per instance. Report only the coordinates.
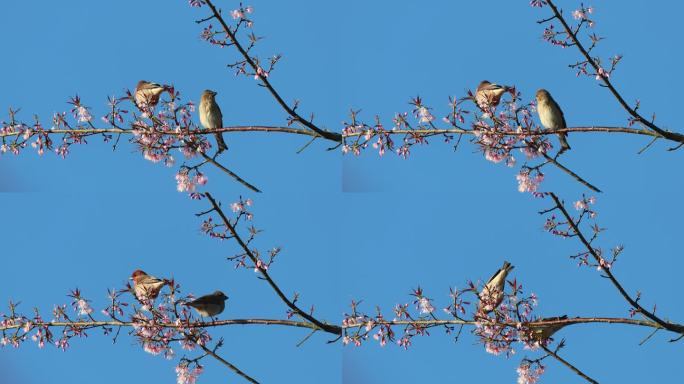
(487, 95)
(147, 94)
(147, 288)
(550, 114)
(492, 295)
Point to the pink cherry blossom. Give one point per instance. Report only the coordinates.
(527, 375)
(186, 375)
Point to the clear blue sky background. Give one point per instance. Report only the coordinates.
(436, 220)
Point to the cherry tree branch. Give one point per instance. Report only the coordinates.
(677, 328)
(232, 129)
(541, 132)
(199, 324)
(564, 322)
(306, 132)
(334, 136)
(330, 328)
(673, 136)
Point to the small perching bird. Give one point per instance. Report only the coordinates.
(211, 117)
(147, 94)
(146, 287)
(489, 95)
(544, 332)
(551, 117)
(493, 292)
(209, 305)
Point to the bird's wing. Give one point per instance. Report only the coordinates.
(220, 116)
(206, 299)
(554, 318)
(506, 267)
(152, 85)
(494, 275)
(494, 87)
(152, 280)
(564, 125)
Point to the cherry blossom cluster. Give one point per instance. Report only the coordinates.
(250, 65)
(529, 371)
(497, 330)
(582, 21)
(156, 326)
(498, 132)
(157, 134)
(501, 328)
(241, 216)
(585, 220)
(360, 326)
(157, 320)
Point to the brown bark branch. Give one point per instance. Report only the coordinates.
(199, 324)
(674, 136)
(233, 129)
(267, 84)
(306, 132)
(564, 322)
(330, 328)
(677, 328)
(541, 132)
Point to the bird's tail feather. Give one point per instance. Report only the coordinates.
(220, 142)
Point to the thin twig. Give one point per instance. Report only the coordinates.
(300, 150)
(642, 150)
(306, 338)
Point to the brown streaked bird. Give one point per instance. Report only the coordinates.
(148, 93)
(145, 286)
(493, 292)
(211, 117)
(544, 332)
(551, 116)
(209, 305)
(489, 95)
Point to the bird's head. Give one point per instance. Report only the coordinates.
(209, 93)
(542, 94)
(221, 295)
(137, 273)
(484, 83)
(149, 85)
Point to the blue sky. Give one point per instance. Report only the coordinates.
(435, 220)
